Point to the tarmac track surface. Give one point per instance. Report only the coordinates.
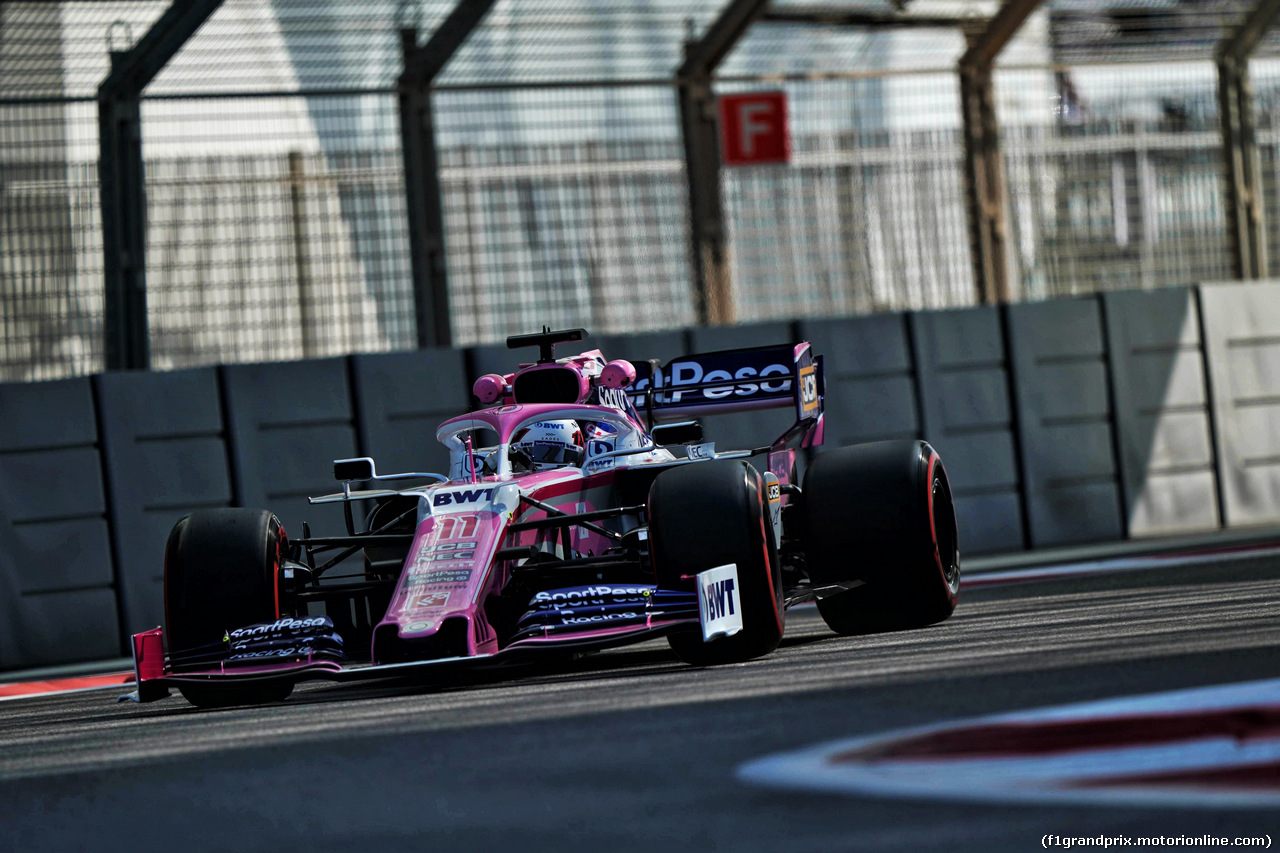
(632, 750)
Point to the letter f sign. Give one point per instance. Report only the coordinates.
(753, 128)
(750, 127)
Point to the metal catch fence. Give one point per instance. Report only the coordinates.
(1121, 185)
(570, 210)
(284, 209)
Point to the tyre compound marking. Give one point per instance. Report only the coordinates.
(26, 689)
(933, 525)
(1117, 565)
(275, 566)
(1215, 747)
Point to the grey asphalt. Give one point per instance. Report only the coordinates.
(632, 750)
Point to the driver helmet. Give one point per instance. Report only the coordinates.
(549, 444)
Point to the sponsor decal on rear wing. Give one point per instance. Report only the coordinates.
(732, 381)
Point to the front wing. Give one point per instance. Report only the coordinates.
(155, 676)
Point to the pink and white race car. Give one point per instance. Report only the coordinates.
(581, 510)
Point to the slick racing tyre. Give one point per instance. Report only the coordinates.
(882, 514)
(220, 569)
(706, 515)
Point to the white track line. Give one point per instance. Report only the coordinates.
(1079, 774)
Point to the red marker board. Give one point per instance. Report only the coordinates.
(753, 128)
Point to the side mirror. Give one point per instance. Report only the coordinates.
(685, 432)
(354, 469)
(489, 388)
(618, 374)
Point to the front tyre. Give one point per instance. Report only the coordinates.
(220, 573)
(705, 515)
(882, 514)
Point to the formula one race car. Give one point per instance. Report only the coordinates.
(581, 510)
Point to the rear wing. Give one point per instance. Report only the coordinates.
(739, 380)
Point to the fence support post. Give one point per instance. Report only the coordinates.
(1246, 222)
(713, 290)
(122, 180)
(983, 165)
(422, 166)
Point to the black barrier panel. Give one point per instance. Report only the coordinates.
(964, 401)
(165, 454)
(871, 392)
(1162, 417)
(1064, 422)
(744, 430)
(287, 422)
(402, 398)
(57, 603)
(1242, 338)
(641, 347)
(496, 358)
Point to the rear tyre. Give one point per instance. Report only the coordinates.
(220, 571)
(706, 515)
(882, 514)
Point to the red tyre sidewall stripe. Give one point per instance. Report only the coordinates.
(275, 566)
(933, 528)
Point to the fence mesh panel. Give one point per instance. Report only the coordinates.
(537, 42)
(564, 207)
(50, 245)
(284, 238)
(869, 214)
(275, 177)
(1091, 31)
(1265, 76)
(1121, 186)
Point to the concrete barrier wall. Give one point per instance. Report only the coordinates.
(871, 389)
(666, 346)
(400, 400)
(165, 454)
(1242, 338)
(967, 417)
(495, 358)
(1161, 412)
(1061, 422)
(286, 422)
(57, 597)
(1070, 482)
